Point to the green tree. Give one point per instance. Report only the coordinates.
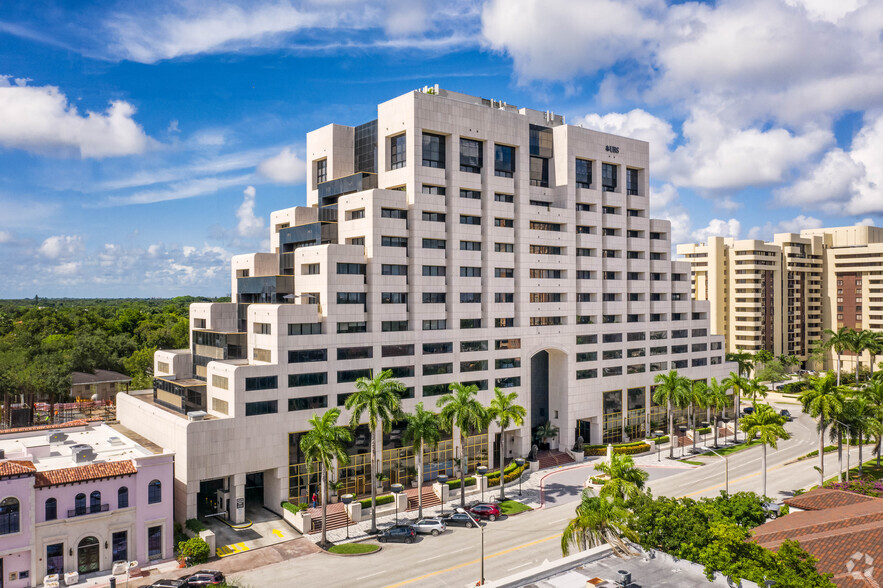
(754, 389)
(322, 444)
(504, 410)
(672, 390)
(773, 371)
(860, 342)
(861, 416)
(379, 399)
(460, 408)
(823, 400)
(139, 366)
(762, 356)
(598, 521)
(546, 431)
(626, 480)
(422, 431)
(839, 341)
(875, 347)
(697, 395)
(718, 400)
(873, 392)
(767, 425)
(739, 384)
(744, 361)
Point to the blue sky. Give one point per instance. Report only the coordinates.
(144, 143)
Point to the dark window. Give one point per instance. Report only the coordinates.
(308, 403)
(507, 344)
(433, 150)
(262, 329)
(541, 226)
(470, 297)
(397, 150)
(466, 219)
(55, 558)
(587, 356)
(504, 161)
(504, 322)
(123, 497)
(466, 346)
(434, 270)
(470, 245)
(387, 269)
(507, 198)
(393, 297)
(470, 272)
(583, 173)
(436, 217)
(352, 327)
(435, 325)
(154, 543)
(434, 369)
(507, 363)
(95, 501)
(504, 297)
(321, 171)
(470, 323)
(344, 353)
(351, 298)
(608, 177)
(80, 504)
(504, 222)
(473, 366)
(585, 230)
(305, 328)
(586, 374)
(547, 274)
(435, 390)
(433, 348)
(546, 321)
(120, 546)
(387, 326)
(546, 250)
(508, 382)
(351, 268)
(434, 297)
(260, 383)
(539, 172)
(583, 207)
(344, 376)
(396, 350)
(471, 156)
(612, 338)
(586, 339)
(261, 407)
(504, 272)
(631, 181)
(504, 247)
(357, 214)
(436, 190)
(154, 492)
(52, 509)
(310, 379)
(470, 194)
(434, 243)
(387, 241)
(585, 275)
(398, 213)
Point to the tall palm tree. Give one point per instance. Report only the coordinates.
(838, 341)
(874, 347)
(422, 431)
(717, 399)
(743, 359)
(860, 414)
(765, 424)
(762, 356)
(322, 444)
(755, 388)
(873, 392)
(379, 399)
(506, 412)
(672, 390)
(462, 409)
(862, 341)
(598, 521)
(626, 479)
(738, 384)
(823, 400)
(698, 398)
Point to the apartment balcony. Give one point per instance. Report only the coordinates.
(331, 190)
(82, 511)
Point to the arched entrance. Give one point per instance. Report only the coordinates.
(87, 555)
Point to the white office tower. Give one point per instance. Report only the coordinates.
(452, 239)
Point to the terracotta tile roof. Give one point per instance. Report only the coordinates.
(825, 498)
(84, 473)
(67, 425)
(16, 468)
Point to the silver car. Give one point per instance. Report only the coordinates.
(432, 527)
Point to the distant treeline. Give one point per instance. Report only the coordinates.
(42, 340)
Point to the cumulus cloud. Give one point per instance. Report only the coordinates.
(249, 224)
(718, 228)
(40, 119)
(5, 237)
(285, 167)
(795, 225)
(844, 182)
(62, 246)
(637, 124)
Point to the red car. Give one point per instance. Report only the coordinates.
(490, 512)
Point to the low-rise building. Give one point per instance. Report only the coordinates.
(79, 496)
(99, 385)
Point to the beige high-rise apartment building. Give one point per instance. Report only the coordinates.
(452, 239)
(782, 295)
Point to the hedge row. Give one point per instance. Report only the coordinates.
(295, 508)
(381, 500)
(195, 526)
(511, 475)
(629, 449)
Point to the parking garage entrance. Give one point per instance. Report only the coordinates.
(208, 501)
(254, 489)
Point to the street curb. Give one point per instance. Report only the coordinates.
(378, 550)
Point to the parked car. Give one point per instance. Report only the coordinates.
(781, 386)
(400, 533)
(458, 519)
(772, 509)
(205, 578)
(748, 409)
(487, 511)
(433, 527)
(787, 414)
(170, 583)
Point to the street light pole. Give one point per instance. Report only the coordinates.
(657, 435)
(726, 470)
(480, 528)
(347, 499)
(482, 471)
(442, 480)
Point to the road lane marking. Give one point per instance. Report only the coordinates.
(374, 574)
(475, 561)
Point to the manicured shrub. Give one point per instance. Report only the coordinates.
(623, 449)
(195, 526)
(196, 549)
(295, 508)
(381, 500)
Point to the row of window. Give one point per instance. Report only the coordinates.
(641, 368)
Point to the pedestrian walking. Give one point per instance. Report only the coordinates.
(315, 500)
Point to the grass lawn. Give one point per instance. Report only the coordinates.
(688, 462)
(731, 449)
(869, 470)
(351, 548)
(511, 507)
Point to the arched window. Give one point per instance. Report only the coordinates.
(123, 497)
(154, 492)
(9, 520)
(80, 504)
(95, 502)
(51, 509)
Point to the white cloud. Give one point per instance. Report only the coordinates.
(284, 168)
(866, 222)
(176, 191)
(844, 183)
(662, 197)
(249, 224)
(828, 10)
(638, 124)
(40, 119)
(62, 246)
(718, 228)
(794, 225)
(5, 237)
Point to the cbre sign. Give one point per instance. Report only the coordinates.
(611, 149)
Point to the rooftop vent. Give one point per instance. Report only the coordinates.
(56, 437)
(2, 454)
(625, 578)
(82, 453)
(114, 440)
(197, 415)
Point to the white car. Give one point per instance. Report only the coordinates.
(433, 527)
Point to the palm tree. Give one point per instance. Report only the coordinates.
(598, 521)
(762, 356)
(765, 424)
(462, 409)
(421, 431)
(546, 431)
(862, 341)
(755, 389)
(838, 341)
(698, 397)
(874, 347)
(743, 359)
(738, 384)
(672, 390)
(873, 392)
(626, 480)
(379, 400)
(823, 400)
(323, 443)
(860, 414)
(504, 410)
(718, 399)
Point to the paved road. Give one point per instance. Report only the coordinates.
(530, 538)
